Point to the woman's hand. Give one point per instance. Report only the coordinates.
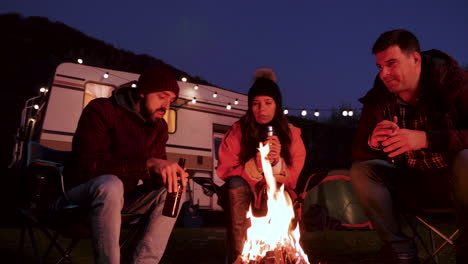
(275, 150)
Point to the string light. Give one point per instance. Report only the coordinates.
(36, 106)
(317, 112)
(42, 90)
(195, 86)
(286, 111)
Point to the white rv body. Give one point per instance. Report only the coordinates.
(198, 128)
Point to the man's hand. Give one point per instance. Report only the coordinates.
(170, 172)
(405, 140)
(382, 131)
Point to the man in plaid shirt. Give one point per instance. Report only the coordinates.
(411, 145)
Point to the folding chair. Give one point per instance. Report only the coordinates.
(423, 217)
(43, 184)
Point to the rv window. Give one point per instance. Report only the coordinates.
(217, 143)
(96, 90)
(171, 119)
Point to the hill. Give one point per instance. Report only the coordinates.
(31, 49)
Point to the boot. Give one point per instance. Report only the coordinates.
(238, 204)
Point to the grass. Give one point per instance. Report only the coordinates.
(207, 245)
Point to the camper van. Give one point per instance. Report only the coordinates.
(196, 121)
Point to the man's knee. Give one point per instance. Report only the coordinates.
(109, 186)
(361, 168)
(368, 170)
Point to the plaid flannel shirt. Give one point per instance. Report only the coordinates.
(411, 117)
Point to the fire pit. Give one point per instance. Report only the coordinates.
(273, 238)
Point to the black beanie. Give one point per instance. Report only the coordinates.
(265, 86)
(157, 79)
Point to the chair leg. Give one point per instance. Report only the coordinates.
(32, 238)
(435, 230)
(448, 240)
(53, 243)
(21, 242)
(436, 251)
(49, 248)
(66, 256)
(414, 227)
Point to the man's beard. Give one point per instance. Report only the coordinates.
(149, 115)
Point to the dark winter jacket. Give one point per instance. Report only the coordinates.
(444, 99)
(113, 138)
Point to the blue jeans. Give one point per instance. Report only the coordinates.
(104, 195)
(383, 188)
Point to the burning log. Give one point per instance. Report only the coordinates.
(277, 256)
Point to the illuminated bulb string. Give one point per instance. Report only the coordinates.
(348, 112)
(216, 100)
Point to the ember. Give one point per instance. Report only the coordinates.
(278, 256)
(273, 238)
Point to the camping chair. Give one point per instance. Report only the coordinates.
(423, 218)
(43, 184)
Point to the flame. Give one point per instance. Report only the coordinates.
(275, 230)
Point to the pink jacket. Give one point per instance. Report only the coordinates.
(230, 165)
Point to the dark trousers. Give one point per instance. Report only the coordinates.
(383, 189)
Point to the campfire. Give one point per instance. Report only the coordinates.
(275, 237)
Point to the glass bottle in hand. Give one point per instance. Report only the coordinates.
(171, 205)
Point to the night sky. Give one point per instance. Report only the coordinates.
(320, 50)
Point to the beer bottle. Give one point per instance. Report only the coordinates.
(171, 205)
